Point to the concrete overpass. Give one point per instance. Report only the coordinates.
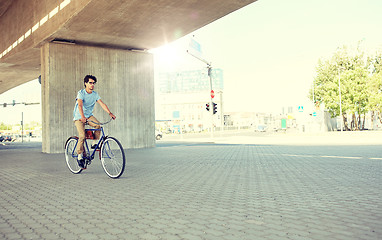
(63, 40)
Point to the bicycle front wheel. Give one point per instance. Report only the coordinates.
(112, 157)
(71, 155)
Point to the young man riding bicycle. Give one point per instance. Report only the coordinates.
(83, 112)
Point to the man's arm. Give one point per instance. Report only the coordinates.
(81, 110)
(104, 107)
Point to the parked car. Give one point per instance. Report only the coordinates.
(1, 138)
(7, 138)
(158, 135)
(261, 128)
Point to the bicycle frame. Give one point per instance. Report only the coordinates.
(101, 138)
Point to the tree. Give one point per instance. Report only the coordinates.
(374, 87)
(346, 70)
(355, 96)
(5, 126)
(326, 88)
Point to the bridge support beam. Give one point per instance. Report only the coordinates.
(125, 82)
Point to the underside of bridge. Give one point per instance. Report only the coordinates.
(95, 37)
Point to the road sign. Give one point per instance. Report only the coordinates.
(283, 123)
(195, 46)
(212, 94)
(176, 114)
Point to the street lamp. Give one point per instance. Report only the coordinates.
(339, 89)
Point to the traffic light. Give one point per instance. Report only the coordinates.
(215, 107)
(4, 104)
(207, 106)
(14, 103)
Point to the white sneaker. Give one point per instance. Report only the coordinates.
(81, 162)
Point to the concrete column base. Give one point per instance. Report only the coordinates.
(125, 82)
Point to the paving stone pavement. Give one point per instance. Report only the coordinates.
(196, 191)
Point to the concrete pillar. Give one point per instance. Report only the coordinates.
(125, 82)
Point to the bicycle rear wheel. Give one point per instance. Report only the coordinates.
(71, 155)
(112, 157)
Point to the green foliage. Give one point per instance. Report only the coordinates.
(376, 62)
(5, 126)
(375, 92)
(360, 80)
(28, 126)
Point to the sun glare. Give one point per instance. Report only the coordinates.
(167, 57)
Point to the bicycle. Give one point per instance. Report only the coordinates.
(110, 150)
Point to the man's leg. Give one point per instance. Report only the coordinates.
(81, 136)
(91, 121)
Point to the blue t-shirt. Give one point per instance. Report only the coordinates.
(89, 101)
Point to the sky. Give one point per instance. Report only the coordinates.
(29, 92)
(268, 51)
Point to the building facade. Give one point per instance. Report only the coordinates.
(182, 97)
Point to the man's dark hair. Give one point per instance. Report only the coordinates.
(87, 77)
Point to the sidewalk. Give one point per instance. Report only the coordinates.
(193, 190)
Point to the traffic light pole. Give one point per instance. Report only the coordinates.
(209, 67)
(15, 103)
(221, 112)
(211, 102)
(22, 126)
